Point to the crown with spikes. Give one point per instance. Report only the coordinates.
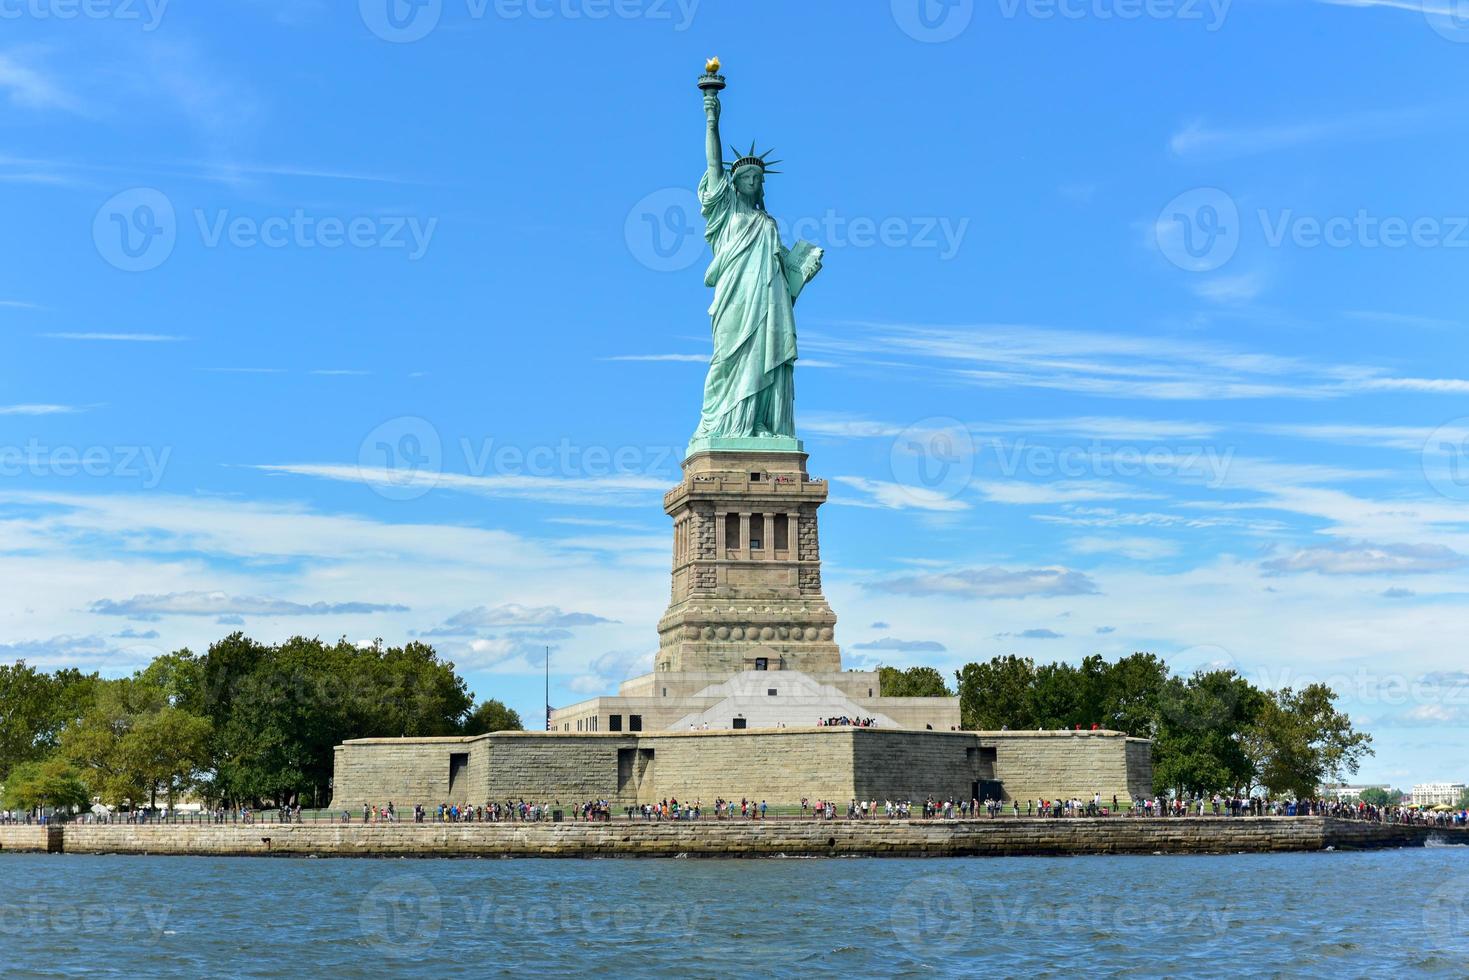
(753, 159)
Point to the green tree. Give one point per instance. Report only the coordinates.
(915, 682)
(1300, 741)
(492, 716)
(50, 783)
(1463, 803)
(1376, 796)
(279, 711)
(1201, 733)
(996, 695)
(1129, 698)
(1061, 696)
(34, 707)
(132, 744)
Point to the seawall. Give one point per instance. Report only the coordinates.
(709, 838)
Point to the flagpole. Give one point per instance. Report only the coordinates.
(548, 688)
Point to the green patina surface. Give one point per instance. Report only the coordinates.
(749, 393)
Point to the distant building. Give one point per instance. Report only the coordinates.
(1432, 794)
(1342, 791)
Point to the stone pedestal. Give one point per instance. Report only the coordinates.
(747, 568)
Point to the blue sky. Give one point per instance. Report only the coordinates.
(1141, 328)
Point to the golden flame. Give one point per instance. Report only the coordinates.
(712, 65)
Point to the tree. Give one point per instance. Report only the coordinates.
(1376, 796)
(1061, 696)
(492, 716)
(1463, 803)
(1300, 741)
(133, 744)
(915, 682)
(34, 707)
(1129, 699)
(996, 695)
(1201, 733)
(51, 783)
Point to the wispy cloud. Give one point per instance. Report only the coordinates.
(899, 496)
(39, 409)
(150, 607)
(675, 358)
(1111, 365)
(902, 646)
(1199, 139)
(471, 621)
(29, 88)
(1365, 558)
(126, 338)
(615, 490)
(993, 583)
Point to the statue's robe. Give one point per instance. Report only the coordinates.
(750, 389)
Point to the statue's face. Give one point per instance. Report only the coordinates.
(750, 181)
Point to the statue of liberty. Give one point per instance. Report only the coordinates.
(749, 394)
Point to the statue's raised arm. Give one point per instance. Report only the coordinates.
(713, 148)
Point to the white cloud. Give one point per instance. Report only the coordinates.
(39, 409)
(1365, 558)
(623, 490)
(1198, 139)
(992, 583)
(126, 338)
(222, 604)
(1138, 549)
(29, 88)
(899, 496)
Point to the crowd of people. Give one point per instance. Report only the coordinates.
(843, 721)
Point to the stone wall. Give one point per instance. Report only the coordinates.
(1066, 765)
(781, 766)
(710, 838)
(29, 838)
